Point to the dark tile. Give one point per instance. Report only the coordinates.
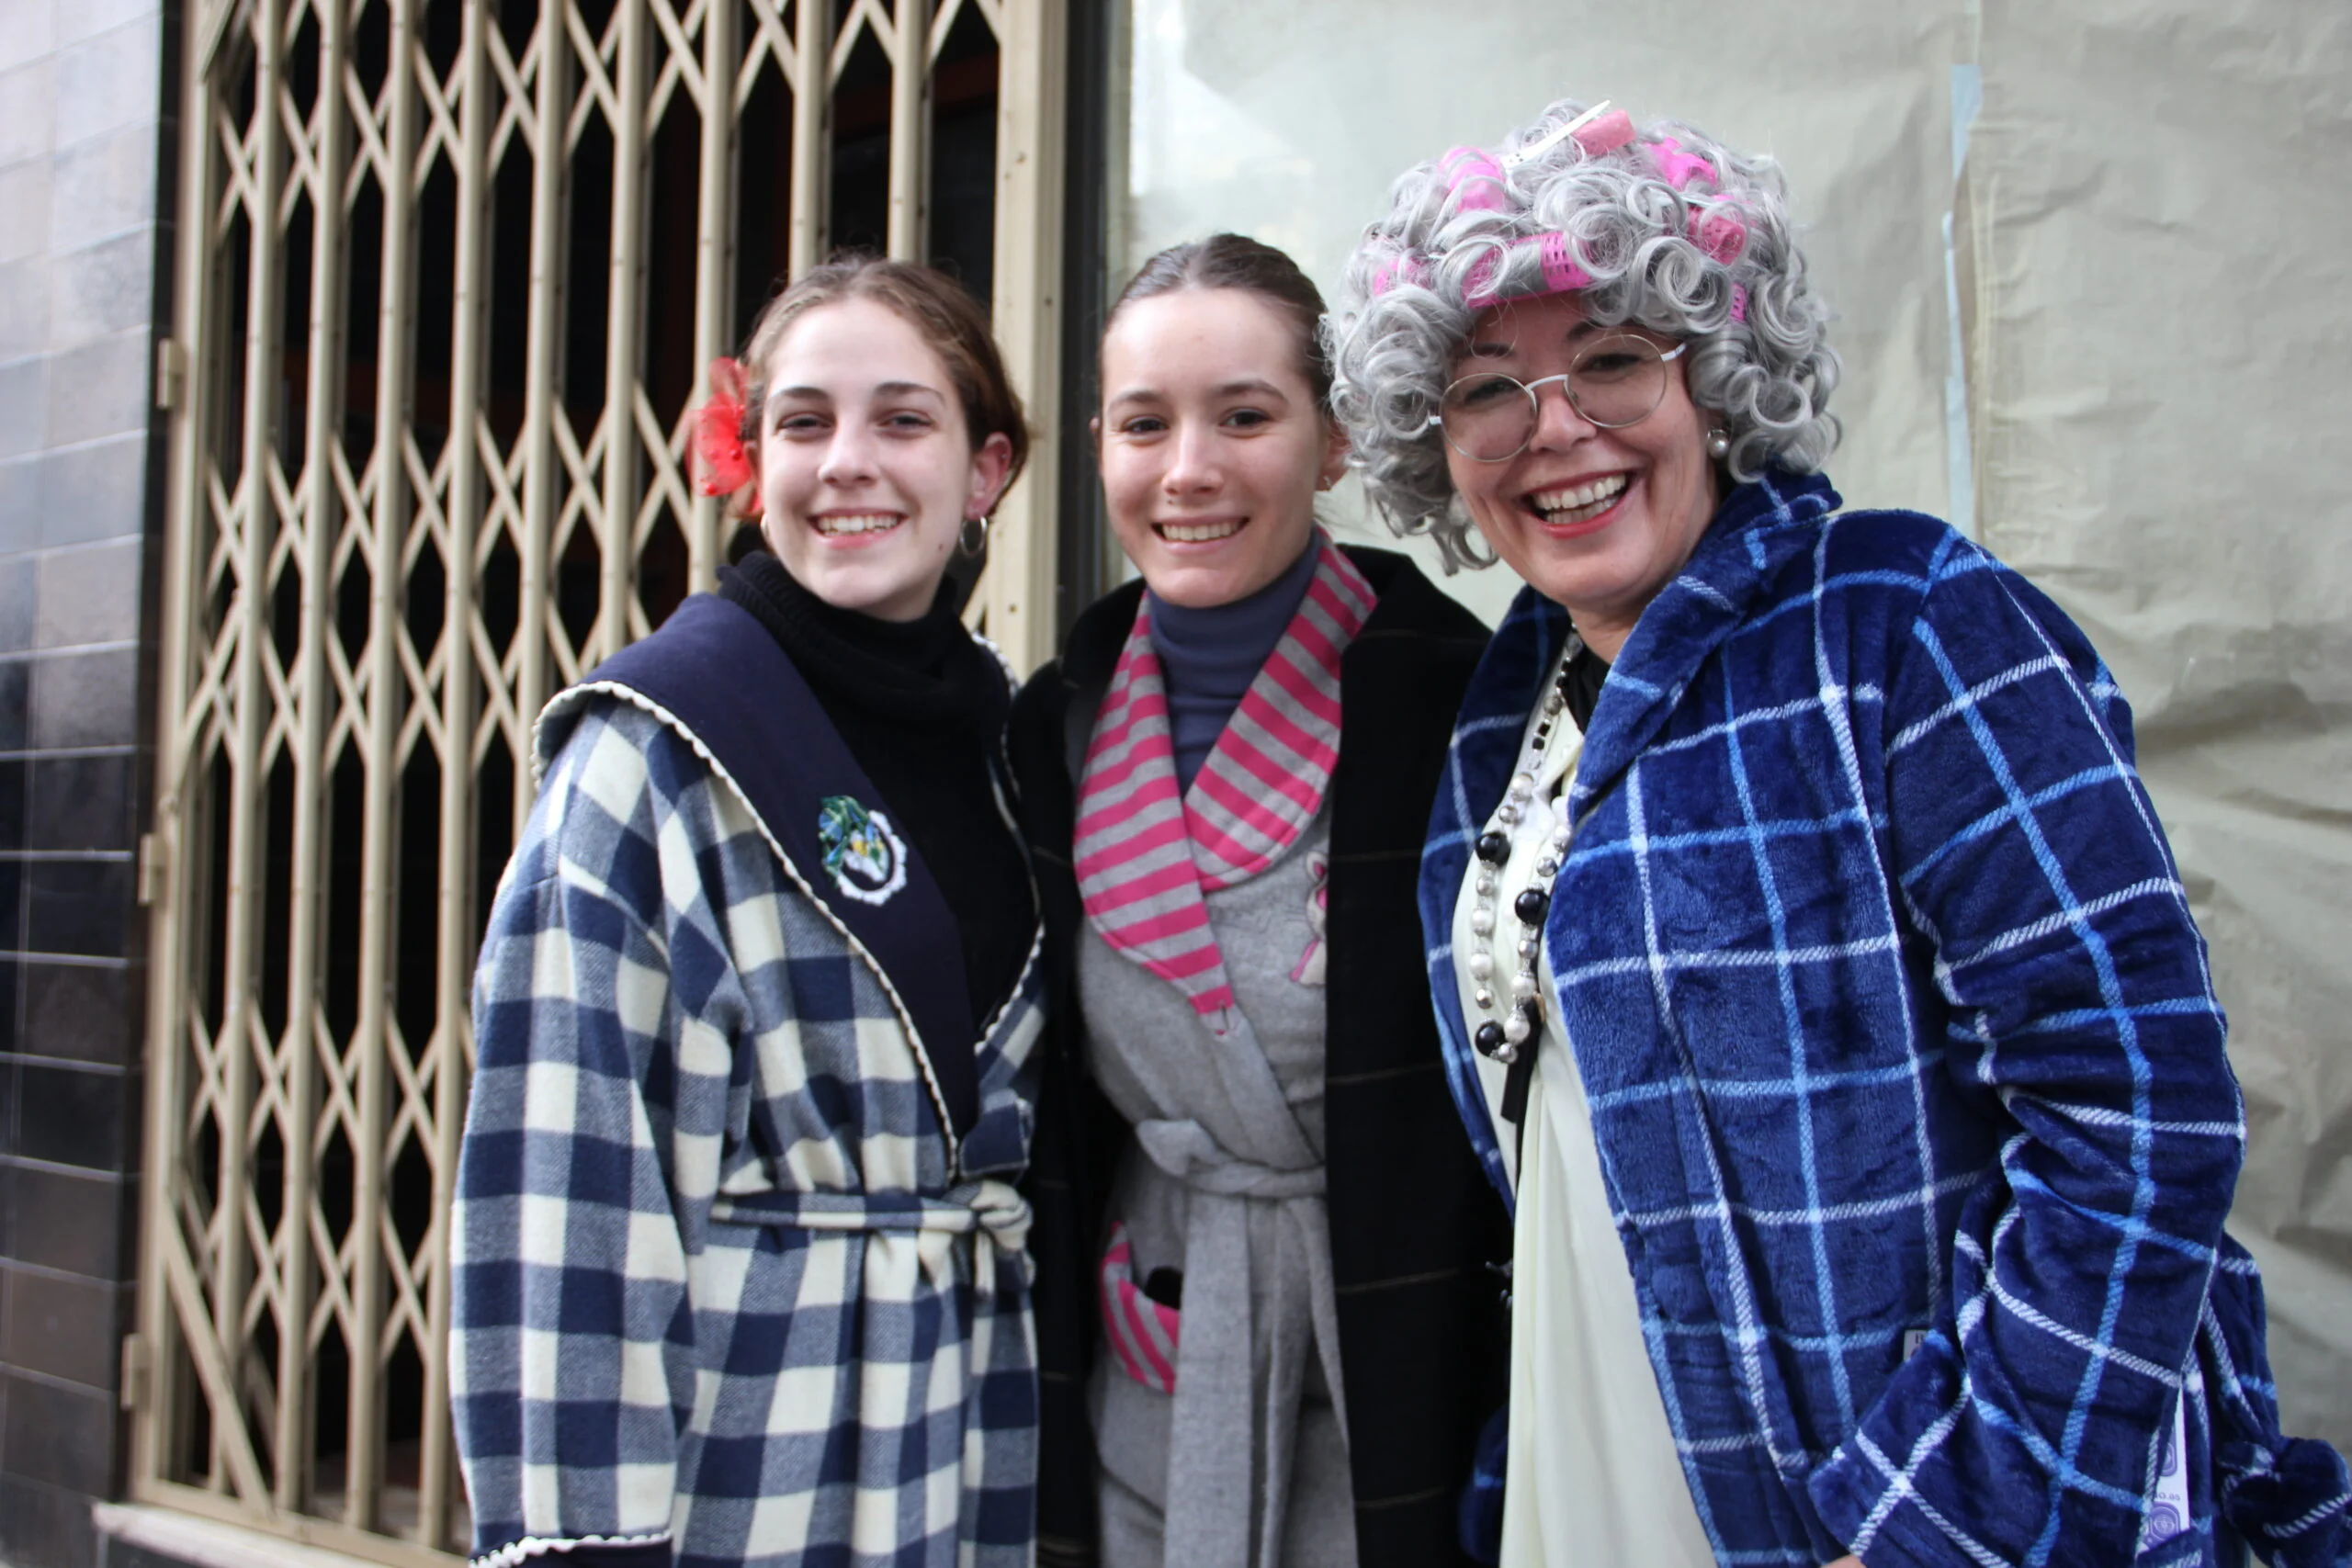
(82, 907)
(12, 805)
(64, 1328)
(103, 185)
(110, 81)
(134, 1111)
(82, 1012)
(88, 595)
(15, 681)
(102, 288)
(12, 906)
(23, 404)
(77, 803)
(11, 984)
(121, 1554)
(18, 577)
(70, 1115)
(63, 1436)
(10, 1082)
(45, 1526)
(84, 699)
(62, 1220)
(24, 306)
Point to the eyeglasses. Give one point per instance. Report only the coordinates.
(1613, 382)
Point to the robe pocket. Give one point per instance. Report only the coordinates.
(1142, 1332)
(1313, 966)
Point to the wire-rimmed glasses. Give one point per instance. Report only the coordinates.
(1489, 417)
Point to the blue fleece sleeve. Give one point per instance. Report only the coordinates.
(2030, 1427)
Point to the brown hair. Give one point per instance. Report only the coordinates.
(1235, 261)
(940, 308)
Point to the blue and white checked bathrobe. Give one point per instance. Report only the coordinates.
(1893, 1023)
(727, 1291)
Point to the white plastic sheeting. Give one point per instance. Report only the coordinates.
(2138, 399)
(2162, 306)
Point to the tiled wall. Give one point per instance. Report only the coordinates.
(82, 127)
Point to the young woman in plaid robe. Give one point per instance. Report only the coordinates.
(740, 1272)
(1818, 984)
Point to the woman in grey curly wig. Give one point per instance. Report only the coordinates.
(1814, 977)
(1673, 235)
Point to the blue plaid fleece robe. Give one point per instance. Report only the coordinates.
(1894, 1026)
(730, 1288)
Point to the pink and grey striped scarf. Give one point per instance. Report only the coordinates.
(1145, 854)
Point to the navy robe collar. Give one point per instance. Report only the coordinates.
(1758, 526)
(714, 671)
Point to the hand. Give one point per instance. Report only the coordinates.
(1849, 1560)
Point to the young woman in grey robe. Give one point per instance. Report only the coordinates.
(1267, 1277)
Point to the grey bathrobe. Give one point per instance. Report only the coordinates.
(1415, 1233)
(1224, 1181)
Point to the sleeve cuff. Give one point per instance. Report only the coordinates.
(1883, 1521)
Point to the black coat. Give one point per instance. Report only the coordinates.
(1417, 1233)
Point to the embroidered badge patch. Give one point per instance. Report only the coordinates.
(864, 854)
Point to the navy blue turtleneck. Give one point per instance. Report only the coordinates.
(1209, 656)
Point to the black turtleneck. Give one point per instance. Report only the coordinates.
(1583, 688)
(922, 707)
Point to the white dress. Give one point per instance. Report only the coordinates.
(1594, 1476)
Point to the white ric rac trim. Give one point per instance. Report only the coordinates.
(515, 1552)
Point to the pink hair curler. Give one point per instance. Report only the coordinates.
(1606, 134)
(1562, 275)
(1678, 168)
(1478, 288)
(1474, 180)
(1720, 233)
(1403, 270)
(1562, 272)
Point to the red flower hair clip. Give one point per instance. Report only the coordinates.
(727, 467)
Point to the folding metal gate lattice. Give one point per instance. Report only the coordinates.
(447, 274)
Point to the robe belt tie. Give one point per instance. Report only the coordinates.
(991, 1212)
(1210, 1473)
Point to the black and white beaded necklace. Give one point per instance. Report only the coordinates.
(1504, 1039)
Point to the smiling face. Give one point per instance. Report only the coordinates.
(1595, 520)
(1212, 443)
(867, 471)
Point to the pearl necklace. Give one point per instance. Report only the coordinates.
(1501, 1040)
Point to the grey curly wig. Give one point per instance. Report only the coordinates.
(1662, 253)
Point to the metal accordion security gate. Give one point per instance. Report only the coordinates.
(448, 273)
